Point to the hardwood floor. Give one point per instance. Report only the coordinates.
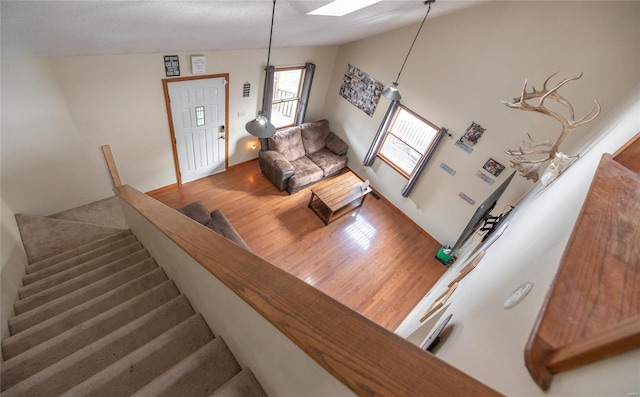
(373, 260)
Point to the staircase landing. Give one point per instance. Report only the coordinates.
(44, 236)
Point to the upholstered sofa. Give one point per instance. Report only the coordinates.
(299, 156)
(215, 221)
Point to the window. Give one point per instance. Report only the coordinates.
(286, 96)
(407, 141)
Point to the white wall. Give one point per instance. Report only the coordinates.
(461, 66)
(12, 264)
(58, 111)
(487, 341)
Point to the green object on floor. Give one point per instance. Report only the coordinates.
(444, 255)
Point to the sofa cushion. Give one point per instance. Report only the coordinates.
(314, 135)
(330, 162)
(305, 173)
(196, 211)
(288, 142)
(336, 145)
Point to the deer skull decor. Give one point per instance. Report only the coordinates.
(529, 168)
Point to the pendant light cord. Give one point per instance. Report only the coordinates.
(414, 40)
(273, 12)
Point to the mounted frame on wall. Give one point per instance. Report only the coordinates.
(198, 64)
(171, 65)
(246, 89)
(361, 90)
(493, 167)
(473, 133)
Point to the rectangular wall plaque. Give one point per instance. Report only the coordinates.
(466, 198)
(447, 168)
(246, 89)
(485, 178)
(171, 65)
(464, 147)
(198, 64)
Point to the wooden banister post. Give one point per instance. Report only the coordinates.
(111, 163)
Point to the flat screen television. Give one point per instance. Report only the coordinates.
(481, 214)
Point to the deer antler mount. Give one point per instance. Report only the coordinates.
(534, 101)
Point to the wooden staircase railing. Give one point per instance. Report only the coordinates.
(592, 310)
(364, 356)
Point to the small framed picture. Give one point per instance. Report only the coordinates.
(473, 133)
(171, 65)
(493, 167)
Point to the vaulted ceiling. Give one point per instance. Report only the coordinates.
(90, 27)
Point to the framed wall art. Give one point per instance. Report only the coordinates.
(361, 90)
(493, 167)
(171, 65)
(473, 133)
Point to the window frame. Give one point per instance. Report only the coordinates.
(389, 132)
(296, 98)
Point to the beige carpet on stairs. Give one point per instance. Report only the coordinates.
(101, 318)
(44, 236)
(105, 212)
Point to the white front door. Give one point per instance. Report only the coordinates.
(198, 114)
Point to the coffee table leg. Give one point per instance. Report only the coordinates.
(362, 200)
(311, 200)
(329, 218)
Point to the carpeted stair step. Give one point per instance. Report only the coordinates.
(109, 276)
(94, 358)
(79, 259)
(65, 270)
(34, 336)
(86, 310)
(112, 318)
(18, 367)
(244, 384)
(66, 302)
(51, 260)
(142, 366)
(198, 375)
(131, 254)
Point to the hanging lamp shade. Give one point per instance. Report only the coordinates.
(261, 127)
(392, 92)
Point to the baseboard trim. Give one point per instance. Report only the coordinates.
(241, 163)
(162, 189)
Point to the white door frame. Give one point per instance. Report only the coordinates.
(167, 100)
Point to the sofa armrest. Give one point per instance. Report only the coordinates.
(221, 225)
(276, 168)
(336, 145)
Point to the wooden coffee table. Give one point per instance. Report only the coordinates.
(338, 196)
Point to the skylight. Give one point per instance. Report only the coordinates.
(338, 8)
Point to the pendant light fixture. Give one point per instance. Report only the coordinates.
(261, 126)
(392, 92)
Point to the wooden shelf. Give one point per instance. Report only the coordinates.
(593, 308)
